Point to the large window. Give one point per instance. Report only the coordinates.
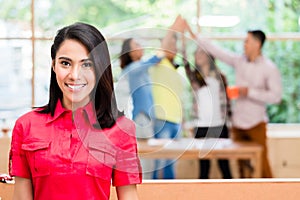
(27, 28)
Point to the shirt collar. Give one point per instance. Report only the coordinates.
(59, 110)
(87, 109)
(167, 63)
(257, 59)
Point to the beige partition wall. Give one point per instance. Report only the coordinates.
(4, 154)
(237, 189)
(263, 189)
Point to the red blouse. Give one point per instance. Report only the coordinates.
(70, 159)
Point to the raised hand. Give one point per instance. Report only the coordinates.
(179, 24)
(188, 28)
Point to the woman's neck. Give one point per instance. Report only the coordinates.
(205, 70)
(73, 106)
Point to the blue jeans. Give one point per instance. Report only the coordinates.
(165, 129)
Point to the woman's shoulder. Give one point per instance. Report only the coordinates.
(131, 68)
(31, 116)
(126, 125)
(124, 121)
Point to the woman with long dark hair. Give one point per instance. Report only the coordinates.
(79, 143)
(211, 105)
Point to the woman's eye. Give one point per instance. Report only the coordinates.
(65, 63)
(87, 64)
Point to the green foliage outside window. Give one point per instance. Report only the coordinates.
(113, 16)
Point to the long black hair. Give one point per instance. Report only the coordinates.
(103, 93)
(125, 58)
(198, 70)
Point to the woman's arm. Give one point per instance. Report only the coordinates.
(128, 192)
(226, 56)
(23, 189)
(169, 41)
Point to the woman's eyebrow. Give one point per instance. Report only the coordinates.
(86, 60)
(69, 59)
(64, 58)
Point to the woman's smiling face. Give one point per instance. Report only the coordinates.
(75, 73)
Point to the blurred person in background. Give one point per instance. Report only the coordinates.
(259, 83)
(167, 90)
(135, 69)
(211, 104)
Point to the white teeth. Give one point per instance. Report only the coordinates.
(76, 87)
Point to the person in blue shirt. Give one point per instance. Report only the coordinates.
(135, 69)
(139, 80)
(140, 84)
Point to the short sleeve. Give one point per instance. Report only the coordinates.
(128, 168)
(18, 165)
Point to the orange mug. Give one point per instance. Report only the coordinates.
(232, 92)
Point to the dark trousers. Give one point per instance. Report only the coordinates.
(213, 132)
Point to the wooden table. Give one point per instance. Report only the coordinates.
(210, 148)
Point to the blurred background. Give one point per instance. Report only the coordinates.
(27, 28)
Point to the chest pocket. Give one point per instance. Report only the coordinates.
(37, 153)
(101, 160)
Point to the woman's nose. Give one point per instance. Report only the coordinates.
(75, 72)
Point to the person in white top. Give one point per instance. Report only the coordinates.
(210, 102)
(259, 84)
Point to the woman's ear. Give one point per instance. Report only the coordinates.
(53, 65)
